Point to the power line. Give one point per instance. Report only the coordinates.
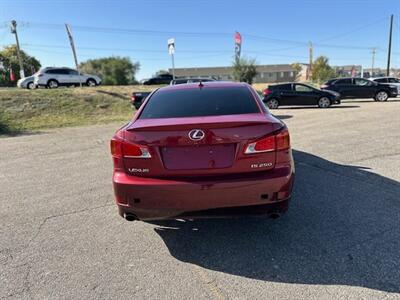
(145, 58)
(127, 49)
(48, 26)
(354, 30)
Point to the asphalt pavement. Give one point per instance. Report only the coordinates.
(61, 236)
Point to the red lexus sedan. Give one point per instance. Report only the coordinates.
(202, 150)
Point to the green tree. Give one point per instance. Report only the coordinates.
(297, 67)
(9, 60)
(244, 70)
(321, 70)
(113, 70)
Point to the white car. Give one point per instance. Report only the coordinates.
(388, 80)
(26, 83)
(54, 77)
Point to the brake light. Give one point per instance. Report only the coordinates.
(266, 92)
(264, 145)
(116, 148)
(280, 141)
(283, 140)
(133, 98)
(135, 151)
(121, 148)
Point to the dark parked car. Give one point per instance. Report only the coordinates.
(160, 79)
(190, 80)
(202, 150)
(138, 98)
(360, 88)
(298, 94)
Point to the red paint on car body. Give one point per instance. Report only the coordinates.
(242, 160)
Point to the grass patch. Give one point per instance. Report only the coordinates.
(31, 110)
(24, 110)
(4, 124)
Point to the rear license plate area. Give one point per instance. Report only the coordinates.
(198, 157)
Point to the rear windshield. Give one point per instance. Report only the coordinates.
(200, 102)
(280, 87)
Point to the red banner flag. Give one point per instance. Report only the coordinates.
(12, 76)
(238, 38)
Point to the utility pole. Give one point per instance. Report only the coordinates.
(390, 45)
(14, 31)
(71, 40)
(311, 50)
(373, 62)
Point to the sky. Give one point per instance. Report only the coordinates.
(273, 32)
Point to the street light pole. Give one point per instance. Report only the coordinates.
(171, 51)
(373, 62)
(173, 66)
(390, 45)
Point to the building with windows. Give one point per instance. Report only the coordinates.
(266, 73)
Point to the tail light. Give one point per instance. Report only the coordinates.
(280, 141)
(266, 92)
(122, 149)
(133, 98)
(283, 140)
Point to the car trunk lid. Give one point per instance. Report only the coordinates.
(177, 151)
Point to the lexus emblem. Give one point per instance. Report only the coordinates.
(196, 134)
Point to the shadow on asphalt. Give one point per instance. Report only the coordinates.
(316, 107)
(283, 117)
(343, 228)
(15, 133)
(368, 100)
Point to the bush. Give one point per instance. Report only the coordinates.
(113, 70)
(5, 127)
(244, 70)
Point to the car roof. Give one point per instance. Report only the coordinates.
(382, 77)
(194, 85)
(281, 83)
(349, 78)
(191, 78)
(49, 68)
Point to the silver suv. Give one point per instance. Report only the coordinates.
(54, 77)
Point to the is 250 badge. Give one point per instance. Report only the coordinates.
(261, 165)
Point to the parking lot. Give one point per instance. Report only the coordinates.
(61, 236)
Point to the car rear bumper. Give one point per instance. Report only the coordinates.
(262, 193)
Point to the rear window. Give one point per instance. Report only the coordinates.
(330, 81)
(200, 102)
(284, 87)
(343, 81)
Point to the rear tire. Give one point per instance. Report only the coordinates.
(52, 84)
(381, 96)
(272, 103)
(324, 102)
(30, 86)
(91, 82)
